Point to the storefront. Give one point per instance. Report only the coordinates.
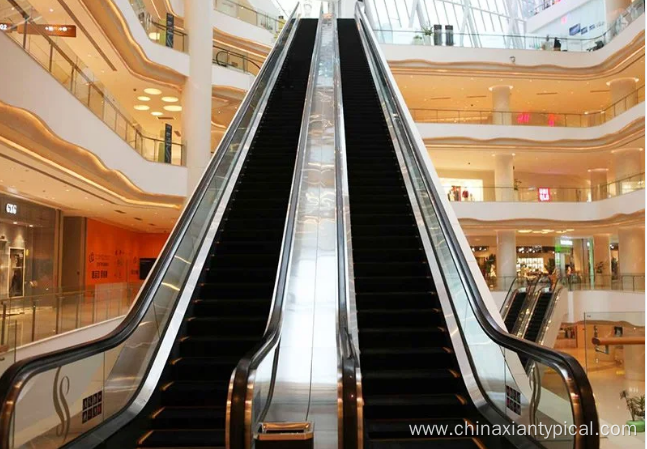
(463, 189)
(28, 247)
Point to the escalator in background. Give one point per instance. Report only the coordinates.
(230, 310)
(225, 300)
(410, 373)
(513, 311)
(538, 316)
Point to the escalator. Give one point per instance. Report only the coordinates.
(230, 310)
(228, 281)
(538, 316)
(514, 310)
(410, 373)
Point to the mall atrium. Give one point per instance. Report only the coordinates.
(377, 224)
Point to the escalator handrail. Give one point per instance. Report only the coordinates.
(240, 394)
(17, 375)
(245, 58)
(528, 307)
(575, 379)
(557, 291)
(509, 297)
(350, 415)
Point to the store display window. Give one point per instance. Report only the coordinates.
(463, 189)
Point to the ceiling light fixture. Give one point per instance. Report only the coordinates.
(142, 107)
(144, 98)
(173, 108)
(170, 99)
(157, 113)
(525, 231)
(152, 91)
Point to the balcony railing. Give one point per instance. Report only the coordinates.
(29, 319)
(545, 194)
(234, 60)
(579, 282)
(508, 41)
(249, 15)
(58, 59)
(529, 118)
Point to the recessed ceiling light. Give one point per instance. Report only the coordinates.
(142, 107)
(157, 113)
(152, 91)
(144, 98)
(525, 231)
(15, 222)
(51, 9)
(170, 99)
(173, 108)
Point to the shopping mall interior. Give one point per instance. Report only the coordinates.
(322, 224)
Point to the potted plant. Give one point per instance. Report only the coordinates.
(417, 39)
(636, 407)
(428, 32)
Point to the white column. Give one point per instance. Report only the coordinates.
(196, 95)
(501, 105)
(506, 257)
(631, 257)
(598, 183)
(602, 259)
(623, 94)
(628, 164)
(504, 177)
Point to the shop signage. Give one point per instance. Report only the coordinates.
(566, 242)
(575, 29)
(544, 194)
(168, 142)
(11, 208)
(36, 28)
(170, 28)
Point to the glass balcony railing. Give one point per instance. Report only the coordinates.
(545, 194)
(29, 319)
(249, 15)
(224, 57)
(580, 282)
(23, 26)
(529, 118)
(509, 41)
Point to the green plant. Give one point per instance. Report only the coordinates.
(635, 405)
(427, 31)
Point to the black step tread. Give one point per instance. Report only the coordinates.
(183, 438)
(426, 375)
(432, 400)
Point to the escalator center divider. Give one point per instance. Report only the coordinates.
(230, 308)
(410, 374)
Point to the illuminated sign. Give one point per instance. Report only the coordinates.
(544, 194)
(35, 28)
(11, 209)
(5, 26)
(566, 242)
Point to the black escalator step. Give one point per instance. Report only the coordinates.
(231, 246)
(375, 190)
(435, 381)
(389, 268)
(242, 261)
(398, 284)
(240, 233)
(222, 274)
(203, 368)
(394, 255)
(213, 307)
(399, 428)
(380, 207)
(406, 358)
(196, 393)
(416, 406)
(240, 325)
(389, 219)
(261, 203)
(249, 224)
(402, 337)
(381, 229)
(417, 317)
(259, 214)
(221, 345)
(243, 290)
(190, 417)
(396, 300)
(184, 438)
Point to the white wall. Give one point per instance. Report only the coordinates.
(597, 210)
(23, 83)
(601, 301)
(553, 60)
(534, 133)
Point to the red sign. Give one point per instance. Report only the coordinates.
(544, 194)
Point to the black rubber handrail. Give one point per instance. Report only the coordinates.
(246, 59)
(574, 376)
(16, 377)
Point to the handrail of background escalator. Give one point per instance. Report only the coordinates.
(509, 297)
(575, 379)
(239, 416)
(17, 375)
(530, 304)
(350, 390)
(557, 291)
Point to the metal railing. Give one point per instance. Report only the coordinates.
(227, 58)
(529, 118)
(578, 282)
(545, 194)
(29, 319)
(249, 15)
(52, 54)
(522, 42)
